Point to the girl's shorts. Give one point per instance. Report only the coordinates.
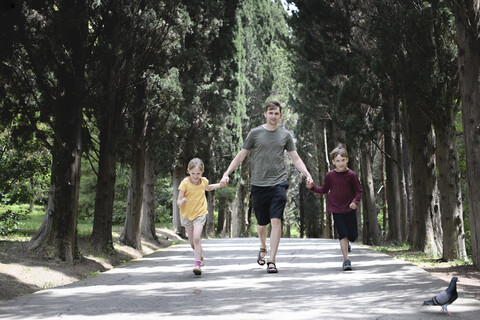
(190, 223)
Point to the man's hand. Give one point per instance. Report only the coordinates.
(309, 182)
(224, 181)
(353, 206)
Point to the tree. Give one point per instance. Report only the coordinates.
(53, 74)
(467, 26)
(113, 63)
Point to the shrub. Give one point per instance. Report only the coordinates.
(9, 221)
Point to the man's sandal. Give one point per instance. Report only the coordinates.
(261, 260)
(271, 267)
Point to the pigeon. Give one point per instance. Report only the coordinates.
(445, 297)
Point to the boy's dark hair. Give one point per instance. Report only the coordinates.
(273, 104)
(339, 150)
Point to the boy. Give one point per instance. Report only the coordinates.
(344, 196)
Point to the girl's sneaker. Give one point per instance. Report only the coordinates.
(197, 270)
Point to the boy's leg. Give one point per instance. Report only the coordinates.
(340, 223)
(344, 247)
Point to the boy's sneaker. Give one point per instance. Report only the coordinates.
(347, 265)
(349, 247)
(197, 270)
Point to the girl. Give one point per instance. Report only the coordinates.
(193, 207)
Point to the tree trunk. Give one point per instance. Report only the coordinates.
(312, 225)
(67, 147)
(45, 232)
(108, 122)
(222, 207)
(131, 234)
(177, 177)
(148, 204)
(392, 174)
(234, 226)
(426, 230)
(241, 203)
(407, 170)
(468, 40)
(373, 234)
(209, 228)
(450, 194)
(402, 188)
(101, 235)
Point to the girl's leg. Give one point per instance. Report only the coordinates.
(197, 244)
(190, 236)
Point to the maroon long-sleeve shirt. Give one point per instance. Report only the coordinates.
(343, 188)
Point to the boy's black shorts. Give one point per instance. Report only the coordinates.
(269, 202)
(346, 225)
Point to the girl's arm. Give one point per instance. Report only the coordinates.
(181, 200)
(211, 187)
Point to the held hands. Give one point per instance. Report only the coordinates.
(353, 206)
(309, 182)
(224, 181)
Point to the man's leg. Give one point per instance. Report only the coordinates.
(262, 235)
(275, 235)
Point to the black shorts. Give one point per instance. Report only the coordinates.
(346, 225)
(269, 202)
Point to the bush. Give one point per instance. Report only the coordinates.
(9, 221)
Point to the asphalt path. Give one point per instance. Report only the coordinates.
(309, 285)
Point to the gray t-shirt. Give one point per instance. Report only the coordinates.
(267, 155)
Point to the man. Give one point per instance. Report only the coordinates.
(268, 177)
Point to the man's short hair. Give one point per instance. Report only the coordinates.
(273, 104)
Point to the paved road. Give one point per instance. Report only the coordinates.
(310, 285)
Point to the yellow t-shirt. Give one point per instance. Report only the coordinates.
(196, 205)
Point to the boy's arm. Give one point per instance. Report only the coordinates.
(233, 165)
(357, 187)
(323, 189)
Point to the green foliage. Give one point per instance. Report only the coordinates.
(9, 221)
(226, 194)
(24, 166)
(163, 201)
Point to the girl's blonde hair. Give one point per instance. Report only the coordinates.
(339, 150)
(196, 163)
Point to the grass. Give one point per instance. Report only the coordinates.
(32, 220)
(406, 252)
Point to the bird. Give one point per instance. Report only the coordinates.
(446, 297)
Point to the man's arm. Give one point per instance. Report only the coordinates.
(298, 163)
(233, 165)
